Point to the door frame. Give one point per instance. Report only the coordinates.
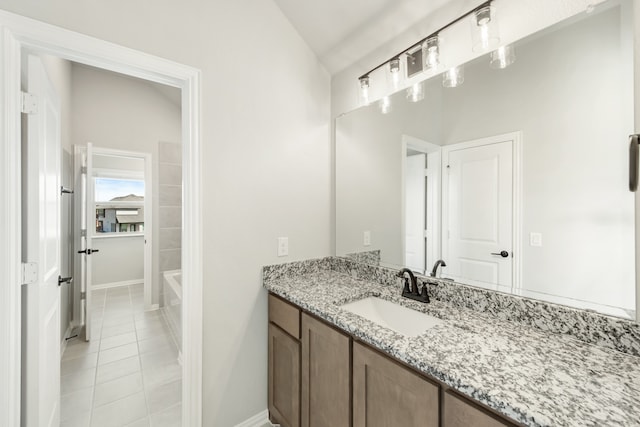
(18, 33)
(516, 212)
(428, 148)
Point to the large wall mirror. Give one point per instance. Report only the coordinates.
(517, 178)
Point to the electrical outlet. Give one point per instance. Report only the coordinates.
(535, 239)
(366, 240)
(283, 246)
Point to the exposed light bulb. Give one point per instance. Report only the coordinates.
(453, 77)
(416, 92)
(364, 90)
(503, 57)
(395, 73)
(431, 53)
(484, 29)
(385, 105)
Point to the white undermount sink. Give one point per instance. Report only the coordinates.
(393, 316)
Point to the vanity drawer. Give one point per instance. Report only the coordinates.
(285, 315)
(459, 412)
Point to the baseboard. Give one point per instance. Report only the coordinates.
(258, 420)
(116, 284)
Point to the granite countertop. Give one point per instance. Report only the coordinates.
(533, 377)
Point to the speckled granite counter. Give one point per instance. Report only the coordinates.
(533, 377)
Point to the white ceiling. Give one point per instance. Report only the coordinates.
(342, 31)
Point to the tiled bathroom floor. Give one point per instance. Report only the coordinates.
(128, 375)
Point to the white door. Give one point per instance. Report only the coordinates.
(87, 231)
(478, 212)
(414, 211)
(41, 300)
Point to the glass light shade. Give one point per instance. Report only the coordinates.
(431, 54)
(416, 92)
(385, 105)
(503, 57)
(484, 29)
(453, 77)
(395, 74)
(363, 90)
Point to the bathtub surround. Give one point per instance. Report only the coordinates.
(170, 209)
(590, 327)
(532, 376)
(172, 307)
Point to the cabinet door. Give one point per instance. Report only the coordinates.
(460, 413)
(325, 375)
(284, 378)
(388, 394)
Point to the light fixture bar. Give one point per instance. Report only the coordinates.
(434, 34)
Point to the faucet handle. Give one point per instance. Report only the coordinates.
(406, 287)
(425, 292)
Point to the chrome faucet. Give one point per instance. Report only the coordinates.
(438, 263)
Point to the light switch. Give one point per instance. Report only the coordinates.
(283, 246)
(367, 238)
(535, 239)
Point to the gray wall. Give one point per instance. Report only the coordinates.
(265, 153)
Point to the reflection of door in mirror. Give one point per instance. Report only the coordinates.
(421, 195)
(478, 214)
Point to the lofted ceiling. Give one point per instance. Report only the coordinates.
(342, 31)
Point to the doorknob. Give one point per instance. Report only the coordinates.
(503, 254)
(88, 251)
(62, 280)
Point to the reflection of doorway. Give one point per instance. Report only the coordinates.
(20, 34)
(421, 203)
(480, 218)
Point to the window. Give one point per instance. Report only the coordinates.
(119, 205)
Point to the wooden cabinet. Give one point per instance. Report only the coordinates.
(388, 394)
(319, 377)
(460, 412)
(284, 363)
(326, 374)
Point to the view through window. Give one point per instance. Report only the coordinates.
(119, 205)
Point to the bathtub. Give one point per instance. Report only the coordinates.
(172, 306)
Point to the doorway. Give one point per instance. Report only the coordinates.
(19, 34)
(421, 203)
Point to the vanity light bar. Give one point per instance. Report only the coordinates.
(430, 36)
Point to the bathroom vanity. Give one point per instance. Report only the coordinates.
(330, 367)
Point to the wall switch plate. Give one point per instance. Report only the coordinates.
(283, 246)
(535, 239)
(366, 239)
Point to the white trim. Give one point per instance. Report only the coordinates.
(117, 235)
(258, 420)
(16, 33)
(117, 285)
(516, 266)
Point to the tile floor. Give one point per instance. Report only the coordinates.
(128, 375)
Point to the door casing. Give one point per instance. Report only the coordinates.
(17, 34)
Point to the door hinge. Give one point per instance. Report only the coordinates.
(29, 103)
(83, 295)
(83, 232)
(83, 170)
(29, 273)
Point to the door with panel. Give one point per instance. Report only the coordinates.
(386, 393)
(477, 241)
(40, 403)
(326, 375)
